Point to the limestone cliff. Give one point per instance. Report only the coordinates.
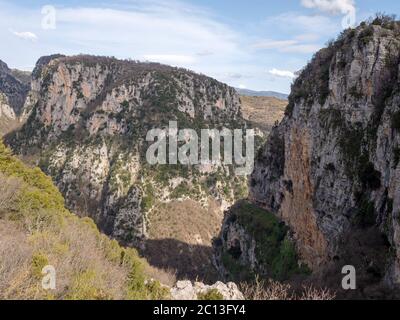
(14, 87)
(330, 169)
(86, 124)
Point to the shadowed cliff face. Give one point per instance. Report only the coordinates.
(14, 88)
(330, 170)
(14, 85)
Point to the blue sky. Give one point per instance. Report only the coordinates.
(255, 44)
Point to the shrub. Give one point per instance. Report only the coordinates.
(10, 189)
(396, 120)
(266, 290)
(157, 291)
(180, 191)
(365, 216)
(356, 93)
(396, 156)
(350, 143)
(370, 178)
(330, 167)
(385, 20)
(366, 35)
(39, 261)
(212, 294)
(148, 199)
(87, 286)
(125, 104)
(236, 270)
(272, 290)
(274, 251)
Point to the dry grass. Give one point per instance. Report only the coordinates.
(312, 293)
(75, 250)
(166, 276)
(15, 255)
(9, 190)
(180, 239)
(272, 290)
(36, 230)
(263, 112)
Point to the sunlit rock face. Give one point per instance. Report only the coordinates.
(86, 120)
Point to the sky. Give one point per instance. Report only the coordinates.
(254, 44)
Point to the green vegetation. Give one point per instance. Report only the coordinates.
(370, 178)
(330, 118)
(350, 143)
(356, 93)
(274, 251)
(396, 120)
(365, 216)
(396, 156)
(120, 177)
(39, 261)
(37, 228)
(182, 190)
(148, 200)
(366, 35)
(385, 21)
(236, 270)
(313, 84)
(212, 294)
(125, 104)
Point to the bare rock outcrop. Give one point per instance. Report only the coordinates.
(186, 290)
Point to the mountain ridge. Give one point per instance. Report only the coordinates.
(254, 93)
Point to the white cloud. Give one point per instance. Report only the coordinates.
(293, 22)
(170, 59)
(205, 53)
(234, 75)
(305, 34)
(302, 48)
(26, 35)
(308, 37)
(274, 44)
(171, 32)
(282, 73)
(287, 46)
(331, 6)
(242, 86)
(157, 31)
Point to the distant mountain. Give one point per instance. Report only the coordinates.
(14, 88)
(252, 93)
(263, 112)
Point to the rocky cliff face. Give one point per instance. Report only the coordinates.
(87, 120)
(14, 87)
(330, 170)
